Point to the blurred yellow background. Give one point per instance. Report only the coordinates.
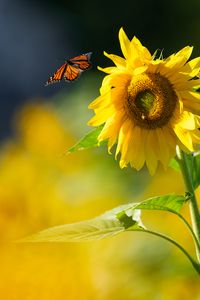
(41, 187)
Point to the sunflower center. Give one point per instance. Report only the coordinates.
(145, 101)
(151, 100)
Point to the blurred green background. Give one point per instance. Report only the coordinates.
(41, 187)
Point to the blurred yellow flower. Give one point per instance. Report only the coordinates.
(39, 188)
(41, 131)
(148, 105)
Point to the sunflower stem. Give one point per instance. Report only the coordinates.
(193, 206)
(167, 238)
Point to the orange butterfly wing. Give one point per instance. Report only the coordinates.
(71, 72)
(82, 61)
(58, 75)
(72, 68)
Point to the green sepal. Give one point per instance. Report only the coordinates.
(195, 167)
(174, 164)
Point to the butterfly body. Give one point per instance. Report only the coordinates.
(71, 69)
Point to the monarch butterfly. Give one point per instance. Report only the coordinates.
(72, 68)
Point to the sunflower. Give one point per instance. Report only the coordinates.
(148, 105)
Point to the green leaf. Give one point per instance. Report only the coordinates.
(98, 228)
(172, 203)
(130, 218)
(120, 219)
(196, 170)
(88, 141)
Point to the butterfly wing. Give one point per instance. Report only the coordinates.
(82, 61)
(58, 75)
(72, 68)
(71, 72)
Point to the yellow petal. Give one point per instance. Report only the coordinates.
(101, 116)
(100, 101)
(124, 160)
(124, 43)
(139, 70)
(187, 121)
(118, 96)
(191, 101)
(136, 153)
(118, 61)
(179, 80)
(185, 52)
(196, 136)
(177, 112)
(162, 147)
(106, 86)
(108, 70)
(178, 60)
(187, 85)
(111, 128)
(197, 120)
(184, 136)
(138, 49)
(123, 133)
(193, 107)
(117, 80)
(150, 151)
(170, 137)
(191, 96)
(190, 66)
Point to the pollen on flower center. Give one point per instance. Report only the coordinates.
(151, 100)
